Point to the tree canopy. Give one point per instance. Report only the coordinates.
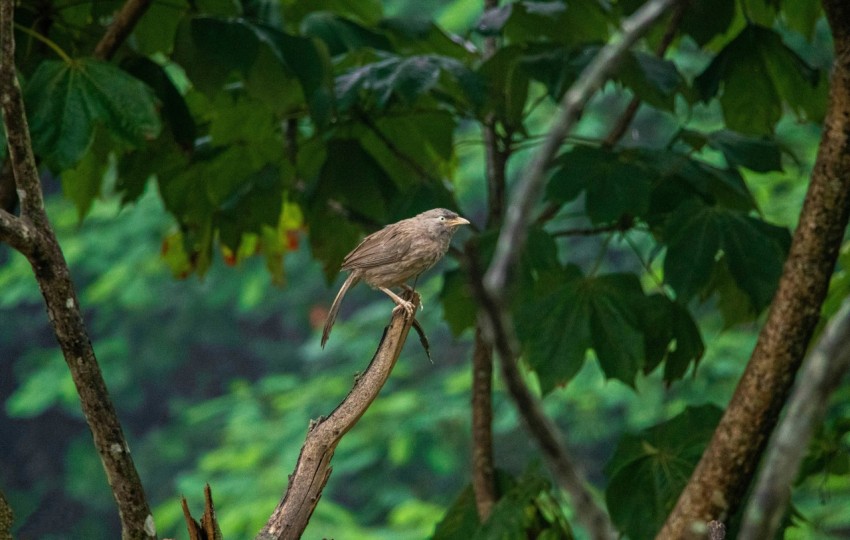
(207, 165)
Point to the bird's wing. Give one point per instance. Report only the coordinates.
(386, 246)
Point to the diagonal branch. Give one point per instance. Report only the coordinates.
(33, 235)
(822, 373)
(313, 469)
(123, 22)
(494, 316)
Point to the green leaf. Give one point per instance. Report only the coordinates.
(341, 34)
(760, 155)
(659, 460)
(753, 250)
(213, 50)
(174, 108)
(81, 183)
(615, 185)
(706, 19)
(603, 313)
(66, 101)
(256, 202)
(757, 73)
(654, 80)
(570, 23)
(459, 309)
(402, 79)
(671, 335)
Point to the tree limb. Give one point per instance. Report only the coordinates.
(7, 517)
(32, 234)
(720, 479)
(493, 314)
(123, 22)
(820, 375)
(483, 469)
(313, 469)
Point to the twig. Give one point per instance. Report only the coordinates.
(123, 23)
(821, 374)
(313, 467)
(527, 192)
(7, 517)
(32, 234)
(629, 114)
(494, 315)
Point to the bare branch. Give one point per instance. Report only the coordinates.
(312, 470)
(34, 236)
(493, 315)
(7, 517)
(821, 374)
(483, 469)
(525, 195)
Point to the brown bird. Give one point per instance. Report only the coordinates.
(395, 254)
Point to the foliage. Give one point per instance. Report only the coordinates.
(289, 129)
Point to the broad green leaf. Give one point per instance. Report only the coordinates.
(753, 250)
(154, 33)
(66, 101)
(581, 21)
(357, 181)
(81, 183)
(401, 79)
(706, 19)
(507, 85)
(659, 460)
(340, 34)
(652, 79)
(671, 335)
(694, 235)
(174, 109)
(802, 16)
(603, 313)
(213, 50)
(414, 36)
(255, 204)
(755, 74)
(615, 185)
(459, 309)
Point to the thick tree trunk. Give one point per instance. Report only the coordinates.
(726, 469)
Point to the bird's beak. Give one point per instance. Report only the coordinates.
(458, 221)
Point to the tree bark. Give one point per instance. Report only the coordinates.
(32, 234)
(726, 469)
(313, 468)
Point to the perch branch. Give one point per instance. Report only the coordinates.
(313, 469)
(123, 22)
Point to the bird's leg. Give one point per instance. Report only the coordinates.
(406, 305)
(412, 290)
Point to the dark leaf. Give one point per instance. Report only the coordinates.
(760, 155)
(66, 101)
(659, 460)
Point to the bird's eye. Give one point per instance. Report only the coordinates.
(442, 218)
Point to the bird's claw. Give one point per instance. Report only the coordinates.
(407, 307)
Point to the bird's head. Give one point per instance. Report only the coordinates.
(444, 218)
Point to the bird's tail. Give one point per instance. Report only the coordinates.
(329, 321)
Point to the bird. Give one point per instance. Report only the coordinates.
(395, 254)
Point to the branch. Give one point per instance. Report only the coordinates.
(631, 110)
(821, 374)
(493, 315)
(33, 235)
(723, 474)
(123, 23)
(7, 517)
(518, 218)
(313, 469)
(483, 469)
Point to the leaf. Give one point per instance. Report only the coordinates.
(174, 108)
(654, 80)
(671, 335)
(759, 155)
(459, 309)
(401, 79)
(212, 50)
(659, 460)
(615, 185)
(603, 313)
(341, 34)
(758, 73)
(66, 100)
(753, 250)
(570, 23)
(81, 183)
(706, 19)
